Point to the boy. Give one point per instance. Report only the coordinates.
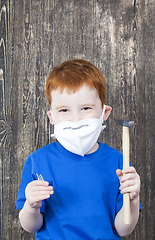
(73, 189)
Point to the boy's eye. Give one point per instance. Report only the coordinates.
(63, 110)
(86, 108)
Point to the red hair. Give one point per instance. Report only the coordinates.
(72, 74)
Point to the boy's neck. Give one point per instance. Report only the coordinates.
(94, 148)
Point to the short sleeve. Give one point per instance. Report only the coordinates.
(119, 203)
(27, 177)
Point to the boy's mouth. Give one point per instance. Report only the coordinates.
(75, 128)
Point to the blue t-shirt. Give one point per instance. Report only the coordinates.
(86, 192)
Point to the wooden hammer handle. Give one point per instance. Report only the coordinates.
(126, 196)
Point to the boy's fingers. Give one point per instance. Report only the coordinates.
(127, 184)
(119, 173)
(41, 197)
(38, 196)
(42, 188)
(130, 189)
(128, 176)
(129, 170)
(41, 193)
(40, 183)
(37, 191)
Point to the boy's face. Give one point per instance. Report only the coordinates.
(84, 103)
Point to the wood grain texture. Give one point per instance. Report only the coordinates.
(119, 38)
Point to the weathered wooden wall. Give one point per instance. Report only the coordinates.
(119, 38)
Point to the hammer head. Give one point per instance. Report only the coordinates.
(125, 123)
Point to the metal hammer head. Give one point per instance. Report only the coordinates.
(125, 123)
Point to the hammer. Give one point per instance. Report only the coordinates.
(125, 142)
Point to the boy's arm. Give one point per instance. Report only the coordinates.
(30, 217)
(125, 229)
(129, 182)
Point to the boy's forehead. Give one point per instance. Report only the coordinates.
(85, 92)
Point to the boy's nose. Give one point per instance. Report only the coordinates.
(75, 118)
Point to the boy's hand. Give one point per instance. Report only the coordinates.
(36, 191)
(129, 181)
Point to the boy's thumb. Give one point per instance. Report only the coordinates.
(119, 172)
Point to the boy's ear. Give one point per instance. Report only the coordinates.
(107, 112)
(50, 117)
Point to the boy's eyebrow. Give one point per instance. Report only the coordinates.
(88, 104)
(84, 104)
(61, 106)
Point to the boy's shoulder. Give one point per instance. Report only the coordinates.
(112, 157)
(110, 150)
(47, 149)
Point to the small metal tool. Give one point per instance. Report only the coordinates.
(40, 177)
(125, 142)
